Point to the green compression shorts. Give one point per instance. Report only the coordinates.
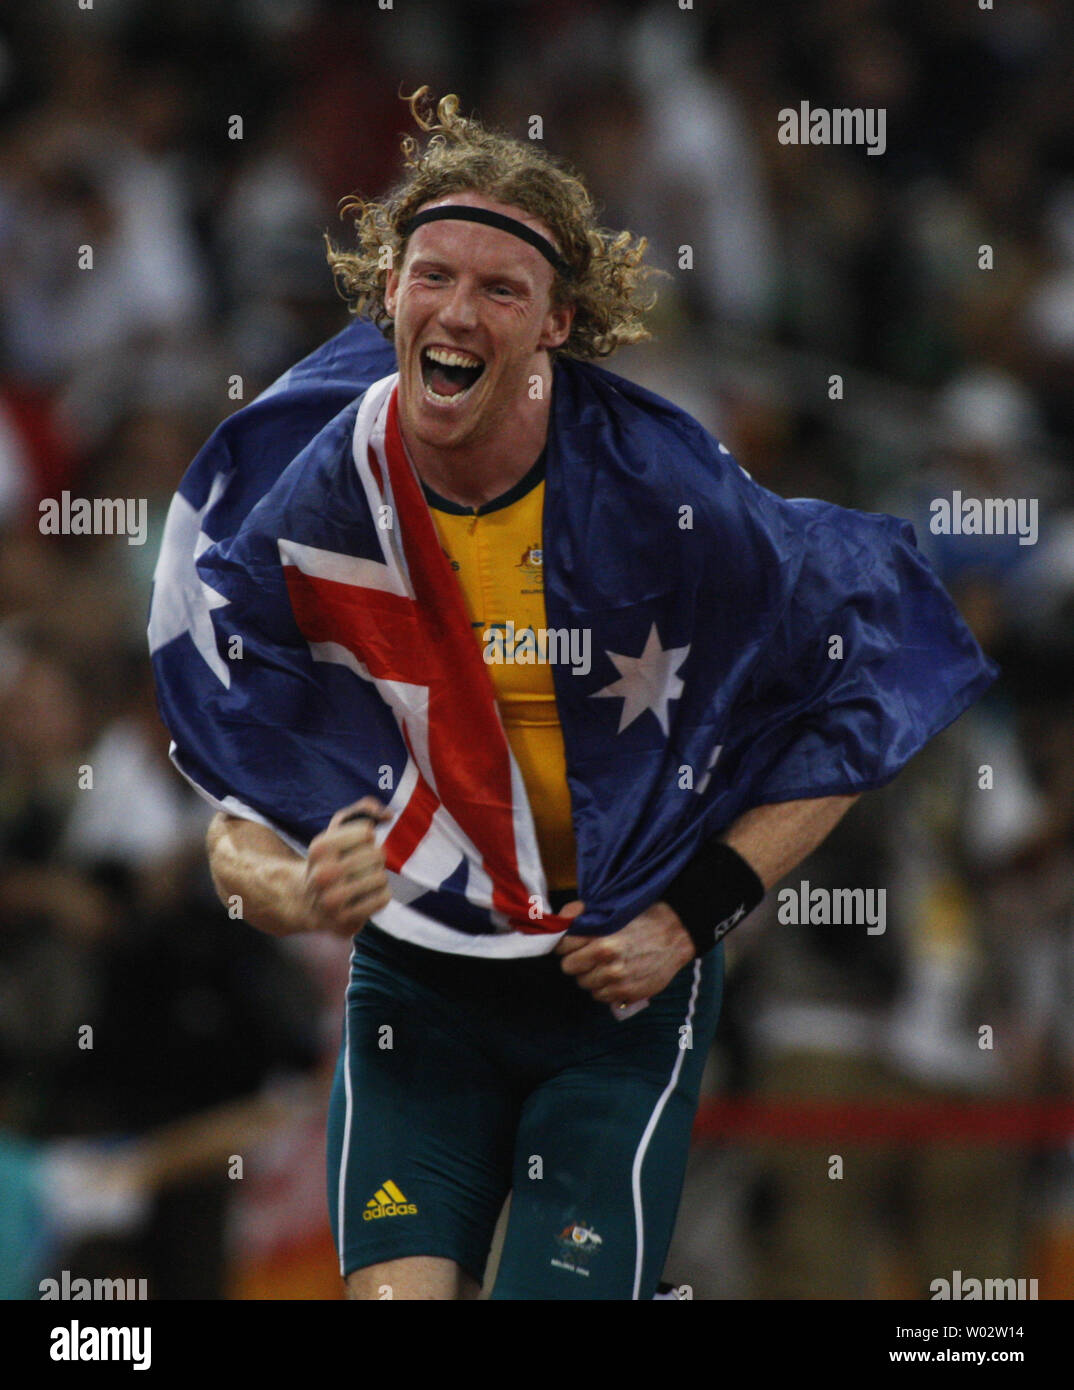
(460, 1079)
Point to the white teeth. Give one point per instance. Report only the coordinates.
(450, 358)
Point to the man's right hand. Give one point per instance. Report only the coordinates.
(346, 881)
(337, 888)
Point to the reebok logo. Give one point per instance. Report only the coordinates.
(388, 1201)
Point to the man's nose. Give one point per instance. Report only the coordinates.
(458, 311)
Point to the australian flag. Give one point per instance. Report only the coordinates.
(311, 647)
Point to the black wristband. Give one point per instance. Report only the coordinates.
(715, 891)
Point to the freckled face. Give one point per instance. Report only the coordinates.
(473, 319)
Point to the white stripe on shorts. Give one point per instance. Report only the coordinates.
(654, 1120)
(345, 1153)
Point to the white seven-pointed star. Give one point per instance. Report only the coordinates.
(647, 681)
(182, 600)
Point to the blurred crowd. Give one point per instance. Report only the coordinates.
(198, 153)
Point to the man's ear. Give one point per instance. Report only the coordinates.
(557, 326)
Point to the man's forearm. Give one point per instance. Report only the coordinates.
(337, 888)
(731, 872)
(715, 892)
(250, 863)
(773, 840)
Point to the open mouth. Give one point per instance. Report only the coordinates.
(448, 374)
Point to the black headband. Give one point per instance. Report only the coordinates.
(459, 212)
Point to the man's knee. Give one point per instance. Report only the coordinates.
(424, 1277)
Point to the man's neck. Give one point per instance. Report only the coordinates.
(477, 473)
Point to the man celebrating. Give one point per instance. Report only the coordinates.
(513, 675)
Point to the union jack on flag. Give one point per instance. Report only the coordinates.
(399, 623)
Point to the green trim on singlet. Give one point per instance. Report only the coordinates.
(526, 483)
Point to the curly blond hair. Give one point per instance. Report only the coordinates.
(607, 270)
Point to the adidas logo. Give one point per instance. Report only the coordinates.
(388, 1201)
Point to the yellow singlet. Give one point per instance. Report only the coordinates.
(496, 555)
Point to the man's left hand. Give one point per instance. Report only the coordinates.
(631, 964)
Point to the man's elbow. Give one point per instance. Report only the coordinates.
(216, 846)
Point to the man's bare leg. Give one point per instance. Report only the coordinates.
(416, 1277)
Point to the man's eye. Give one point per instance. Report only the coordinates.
(502, 290)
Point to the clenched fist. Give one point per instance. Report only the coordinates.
(346, 880)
